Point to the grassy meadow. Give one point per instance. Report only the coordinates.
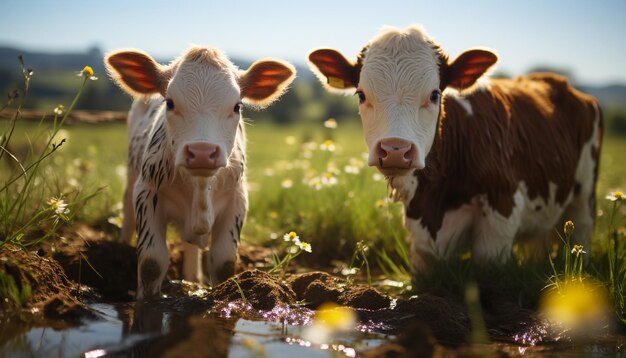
(310, 178)
(305, 178)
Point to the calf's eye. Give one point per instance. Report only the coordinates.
(361, 96)
(237, 108)
(435, 96)
(170, 104)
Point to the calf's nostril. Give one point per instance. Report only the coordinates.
(214, 153)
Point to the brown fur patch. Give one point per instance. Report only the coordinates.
(529, 129)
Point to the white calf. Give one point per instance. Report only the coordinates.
(187, 155)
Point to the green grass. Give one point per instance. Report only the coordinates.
(32, 200)
(330, 198)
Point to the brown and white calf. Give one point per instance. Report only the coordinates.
(187, 155)
(481, 164)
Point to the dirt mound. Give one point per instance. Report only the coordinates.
(38, 285)
(315, 288)
(364, 297)
(258, 288)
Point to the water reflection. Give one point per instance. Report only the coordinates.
(175, 327)
(178, 327)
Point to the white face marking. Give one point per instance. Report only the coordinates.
(204, 96)
(399, 74)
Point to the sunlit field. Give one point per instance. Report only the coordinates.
(309, 184)
(312, 179)
(309, 179)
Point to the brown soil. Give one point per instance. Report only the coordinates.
(52, 294)
(258, 288)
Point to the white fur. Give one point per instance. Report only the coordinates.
(204, 210)
(204, 97)
(208, 209)
(399, 73)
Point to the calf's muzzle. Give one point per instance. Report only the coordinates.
(394, 156)
(202, 158)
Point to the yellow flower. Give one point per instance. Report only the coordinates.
(290, 140)
(362, 247)
(87, 72)
(578, 249)
(59, 207)
(116, 220)
(328, 145)
(334, 316)
(616, 196)
(291, 236)
(568, 228)
(330, 123)
(59, 110)
(329, 319)
(575, 304)
(328, 179)
(287, 183)
(315, 183)
(304, 246)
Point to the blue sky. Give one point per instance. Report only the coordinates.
(586, 37)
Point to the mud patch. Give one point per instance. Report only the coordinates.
(56, 283)
(315, 288)
(256, 287)
(37, 288)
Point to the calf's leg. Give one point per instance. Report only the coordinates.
(153, 256)
(226, 233)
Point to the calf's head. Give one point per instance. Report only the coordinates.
(399, 78)
(202, 93)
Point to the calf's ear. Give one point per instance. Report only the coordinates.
(137, 73)
(465, 70)
(334, 71)
(265, 81)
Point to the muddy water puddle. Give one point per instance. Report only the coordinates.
(235, 329)
(257, 314)
(230, 329)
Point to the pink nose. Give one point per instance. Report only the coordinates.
(201, 155)
(395, 153)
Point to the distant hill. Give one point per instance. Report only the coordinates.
(54, 82)
(42, 61)
(610, 97)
